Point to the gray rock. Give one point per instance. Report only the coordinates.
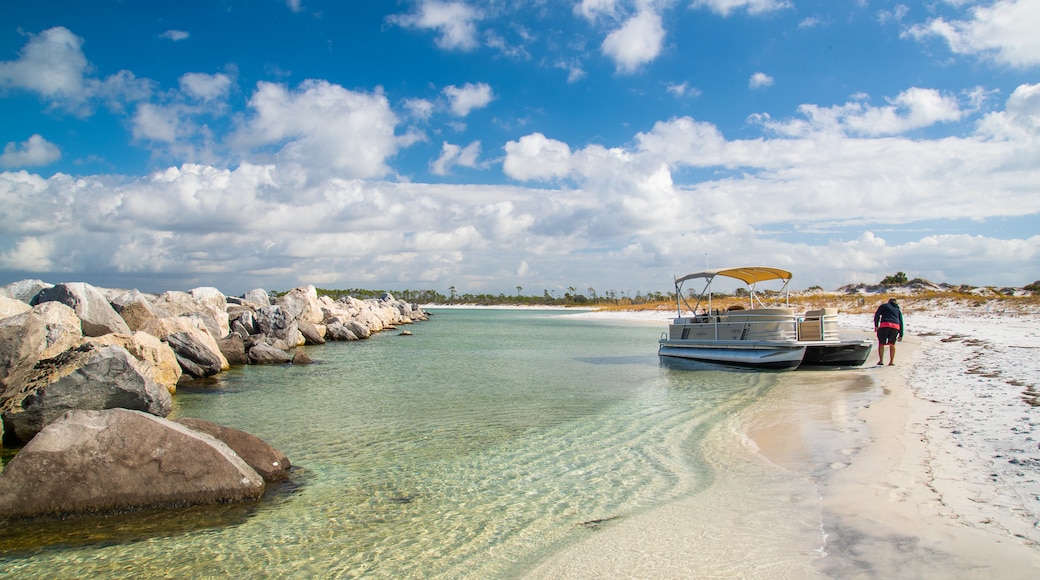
(195, 357)
(301, 358)
(301, 304)
(312, 333)
(276, 322)
(96, 315)
(338, 331)
(265, 354)
(269, 462)
(234, 349)
(209, 308)
(25, 290)
(89, 376)
(99, 461)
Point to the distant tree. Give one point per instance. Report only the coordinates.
(1034, 287)
(454, 294)
(519, 289)
(897, 279)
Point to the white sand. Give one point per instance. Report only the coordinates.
(926, 469)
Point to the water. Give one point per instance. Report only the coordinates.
(476, 448)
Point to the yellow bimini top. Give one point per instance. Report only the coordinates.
(749, 275)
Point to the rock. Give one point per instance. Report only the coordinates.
(265, 354)
(405, 333)
(270, 463)
(89, 376)
(301, 358)
(25, 290)
(276, 322)
(234, 349)
(159, 360)
(359, 330)
(258, 296)
(312, 333)
(99, 461)
(201, 339)
(45, 331)
(194, 356)
(338, 331)
(206, 309)
(96, 315)
(301, 304)
(12, 306)
(136, 309)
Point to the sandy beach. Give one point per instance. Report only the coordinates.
(926, 469)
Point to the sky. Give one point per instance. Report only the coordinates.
(504, 146)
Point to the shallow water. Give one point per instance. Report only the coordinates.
(477, 447)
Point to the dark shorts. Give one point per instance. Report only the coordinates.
(887, 335)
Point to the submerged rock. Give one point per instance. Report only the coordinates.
(270, 463)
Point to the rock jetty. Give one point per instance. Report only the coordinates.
(87, 376)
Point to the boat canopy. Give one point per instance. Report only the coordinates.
(749, 275)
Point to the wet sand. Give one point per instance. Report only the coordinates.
(870, 473)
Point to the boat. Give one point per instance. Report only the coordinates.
(756, 336)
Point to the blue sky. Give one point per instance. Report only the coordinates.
(604, 144)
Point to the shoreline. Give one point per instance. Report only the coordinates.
(888, 471)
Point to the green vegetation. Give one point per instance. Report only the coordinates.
(897, 279)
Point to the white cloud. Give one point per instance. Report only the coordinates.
(155, 123)
(593, 9)
(206, 86)
(468, 97)
(536, 157)
(1020, 119)
(760, 80)
(636, 43)
(52, 64)
(915, 108)
(33, 152)
(682, 90)
(452, 155)
(322, 125)
(725, 7)
(454, 21)
(175, 35)
(420, 109)
(1005, 30)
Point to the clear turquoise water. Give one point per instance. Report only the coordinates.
(475, 448)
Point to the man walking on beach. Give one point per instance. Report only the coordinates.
(888, 324)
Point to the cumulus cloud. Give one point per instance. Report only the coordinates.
(455, 22)
(535, 157)
(468, 97)
(760, 80)
(321, 125)
(636, 43)
(34, 152)
(1005, 30)
(726, 7)
(914, 108)
(452, 155)
(52, 64)
(206, 87)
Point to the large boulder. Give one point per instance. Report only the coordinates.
(96, 315)
(98, 461)
(45, 331)
(258, 296)
(89, 376)
(158, 359)
(24, 290)
(266, 354)
(301, 304)
(312, 333)
(269, 462)
(277, 322)
(12, 306)
(196, 349)
(233, 348)
(136, 309)
(206, 308)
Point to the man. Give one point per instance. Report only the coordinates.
(888, 324)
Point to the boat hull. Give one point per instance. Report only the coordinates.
(760, 355)
(843, 354)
